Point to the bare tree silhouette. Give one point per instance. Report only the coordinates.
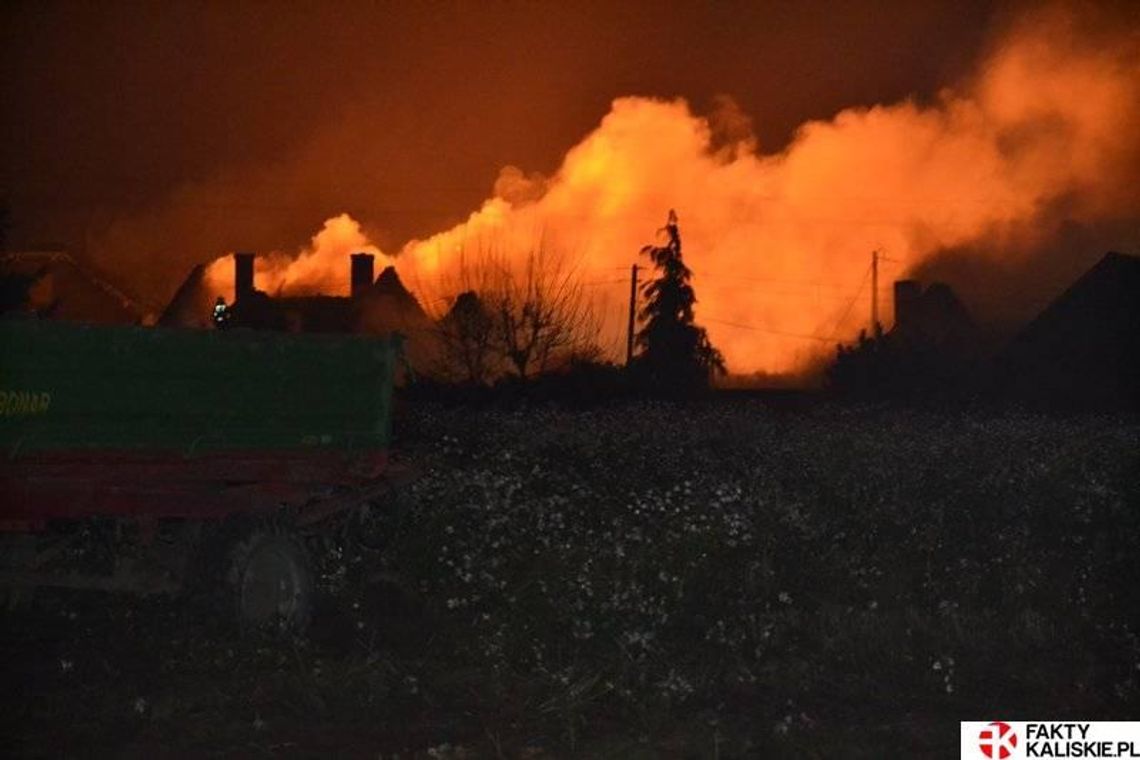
(514, 318)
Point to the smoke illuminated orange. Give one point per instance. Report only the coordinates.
(780, 243)
(320, 268)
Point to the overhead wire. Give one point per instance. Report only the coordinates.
(851, 305)
(754, 328)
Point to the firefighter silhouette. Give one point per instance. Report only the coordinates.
(221, 314)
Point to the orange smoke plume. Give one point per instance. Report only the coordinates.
(780, 243)
(322, 268)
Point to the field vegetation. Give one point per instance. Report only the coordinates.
(719, 579)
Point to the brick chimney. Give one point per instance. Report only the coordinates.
(362, 264)
(243, 275)
(908, 295)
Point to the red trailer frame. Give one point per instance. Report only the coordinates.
(72, 485)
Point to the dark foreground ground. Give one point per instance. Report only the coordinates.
(647, 581)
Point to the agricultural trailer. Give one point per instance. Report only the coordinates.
(141, 459)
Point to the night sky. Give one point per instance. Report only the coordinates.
(404, 113)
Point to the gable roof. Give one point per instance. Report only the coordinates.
(62, 287)
(1087, 340)
(191, 305)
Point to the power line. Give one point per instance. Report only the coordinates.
(855, 298)
(754, 328)
(804, 286)
(776, 280)
(805, 294)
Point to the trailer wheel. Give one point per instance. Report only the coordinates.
(272, 579)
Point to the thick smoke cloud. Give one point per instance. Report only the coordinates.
(1008, 167)
(147, 138)
(1007, 183)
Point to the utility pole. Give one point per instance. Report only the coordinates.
(876, 328)
(632, 315)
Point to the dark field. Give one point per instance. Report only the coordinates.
(643, 580)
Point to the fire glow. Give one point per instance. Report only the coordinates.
(780, 243)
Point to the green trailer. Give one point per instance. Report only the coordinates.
(172, 429)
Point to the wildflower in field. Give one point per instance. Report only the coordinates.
(536, 526)
(675, 686)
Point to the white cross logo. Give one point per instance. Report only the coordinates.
(997, 740)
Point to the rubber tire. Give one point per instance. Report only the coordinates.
(273, 584)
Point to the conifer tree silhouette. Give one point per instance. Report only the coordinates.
(675, 354)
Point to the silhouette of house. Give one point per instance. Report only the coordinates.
(932, 349)
(383, 305)
(933, 318)
(54, 284)
(191, 304)
(377, 306)
(1084, 348)
(387, 306)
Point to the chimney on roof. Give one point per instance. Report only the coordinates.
(908, 294)
(362, 264)
(243, 275)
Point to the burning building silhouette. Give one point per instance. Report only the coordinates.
(380, 305)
